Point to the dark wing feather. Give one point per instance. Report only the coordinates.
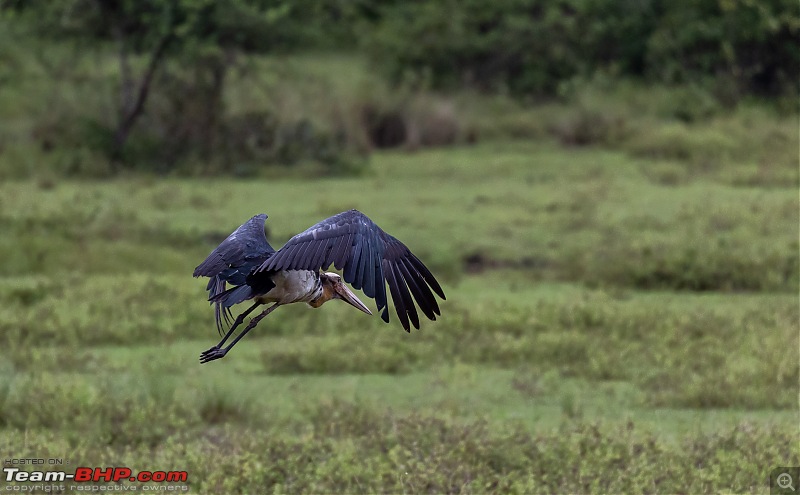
(394, 288)
(369, 274)
(245, 245)
(370, 259)
(351, 270)
(404, 294)
(342, 250)
(424, 297)
(231, 263)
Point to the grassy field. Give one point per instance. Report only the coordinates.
(607, 329)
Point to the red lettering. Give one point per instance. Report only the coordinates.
(177, 476)
(116, 474)
(83, 474)
(106, 474)
(121, 473)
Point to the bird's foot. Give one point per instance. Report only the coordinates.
(212, 354)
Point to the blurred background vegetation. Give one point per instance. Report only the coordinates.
(93, 88)
(608, 191)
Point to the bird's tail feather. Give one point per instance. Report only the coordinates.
(222, 315)
(232, 296)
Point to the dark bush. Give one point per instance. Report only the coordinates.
(386, 129)
(257, 139)
(589, 127)
(748, 48)
(705, 264)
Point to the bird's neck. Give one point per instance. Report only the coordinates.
(326, 294)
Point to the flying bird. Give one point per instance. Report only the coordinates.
(370, 259)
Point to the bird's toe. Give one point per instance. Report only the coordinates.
(212, 354)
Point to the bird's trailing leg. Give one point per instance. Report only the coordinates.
(239, 320)
(218, 351)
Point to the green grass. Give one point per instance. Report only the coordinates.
(603, 331)
(347, 448)
(679, 350)
(579, 215)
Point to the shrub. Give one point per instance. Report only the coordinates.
(590, 127)
(135, 414)
(706, 148)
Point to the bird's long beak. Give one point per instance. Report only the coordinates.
(347, 295)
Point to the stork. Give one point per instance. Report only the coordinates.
(369, 257)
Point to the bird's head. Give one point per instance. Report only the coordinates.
(334, 288)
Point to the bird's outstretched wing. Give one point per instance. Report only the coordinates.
(245, 245)
(231, 262)
(370, 257)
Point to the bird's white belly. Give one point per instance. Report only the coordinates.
(293, 286)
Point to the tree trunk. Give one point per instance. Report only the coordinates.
(131, 109)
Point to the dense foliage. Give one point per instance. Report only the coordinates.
(532, 46)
